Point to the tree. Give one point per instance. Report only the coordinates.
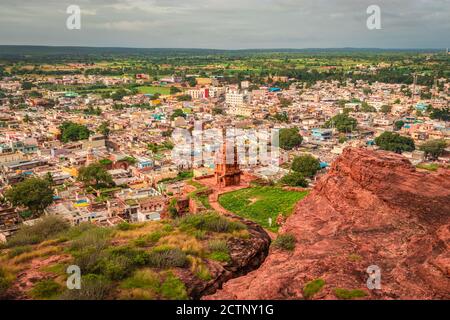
(294, 179)
(119, 94)
(104, 128)
(307, 165)
(399, 124)
(34, 193)
(285, 102)
(73, 132)
(386, 109)
(94, 175)
(216, 111)
(281, 116)
(26, 85)
(177, 113)
(174, 90)
(184, 97)
(439, 114)
(342, 122)
(290, 138)
(391, 141)
(365, 107)
(434, 148)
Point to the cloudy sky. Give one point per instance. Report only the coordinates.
(227, 24)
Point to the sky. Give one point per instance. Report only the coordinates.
(227, 24)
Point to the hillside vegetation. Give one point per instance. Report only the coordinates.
(153, 260)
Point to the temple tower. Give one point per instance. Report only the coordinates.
(227, 172)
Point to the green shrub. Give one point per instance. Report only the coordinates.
(155, 236)
(125, 226)
(77, 231)
(166, 257)
(91, 238)
(218, 245)
(140, 242)
(17, 251)
(93, 287)
(136, 257)
(220, 256)
(44, 229)
(203, 274)
(312, 287)
(349, 294)
(46, 289)
(168, 228)
(285, 242)
(88, 249)
(173, 288)
(142, 279)
(5, 282)
(116, 268)
(210, 222)
(199, 234)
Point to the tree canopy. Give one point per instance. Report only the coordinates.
(71, 131)
(294, 179)
(177, 113)
(94, 174)
(307, 165)
(434, 148)
(391, 141)
(34, 193)
(104, 128)
(290, 138)
(342, 122)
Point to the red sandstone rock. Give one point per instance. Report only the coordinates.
(372, 208)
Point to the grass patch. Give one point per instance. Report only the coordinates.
(42, 230)
(354, 257)
(198, 268)
(261, 203)
(46, 289)
(153, 90)
(347, 294)
(428, 166)
(220, 256)
(313, 287)
(93, 287)
(210, 222)
(142, 279)
(17, 251)
(5, 281)
(173, 288)
(285, 242)
(166, 257)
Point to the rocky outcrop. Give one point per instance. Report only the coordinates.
(372, 208)
(246, 255)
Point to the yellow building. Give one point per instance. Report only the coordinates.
(203, 81)
(70, 170)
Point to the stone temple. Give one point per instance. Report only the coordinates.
(227, 172)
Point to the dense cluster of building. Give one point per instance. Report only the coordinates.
(146, 179)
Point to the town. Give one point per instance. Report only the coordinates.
(94, 141)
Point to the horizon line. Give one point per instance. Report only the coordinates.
(221, 49)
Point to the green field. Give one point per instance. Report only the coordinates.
(153, 90)
(261, 203)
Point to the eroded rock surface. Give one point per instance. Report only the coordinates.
(372, 208)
